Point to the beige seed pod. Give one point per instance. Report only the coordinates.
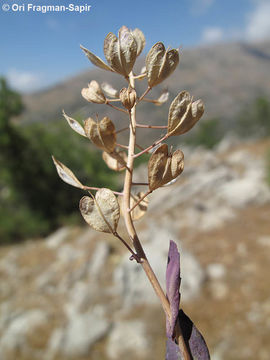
(160, 63)
(121, 52)
(128, 97)
(74, 124)
(164, 167)
(66, 174)
(102, 213)
(94, 93)
(116, 160)
(140, 40)
(183, 114)
(102, 134)
(95, 60)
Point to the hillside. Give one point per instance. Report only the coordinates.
(76, 295)
(225, 76)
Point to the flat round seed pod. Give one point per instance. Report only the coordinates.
(183, 114)
(102, 134)
(164, 167)
(160, 63)
(102, 213)
(94, 93)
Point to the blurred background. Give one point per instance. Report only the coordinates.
(67, 292)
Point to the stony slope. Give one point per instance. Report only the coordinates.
(75, 295)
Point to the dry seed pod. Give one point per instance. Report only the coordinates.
(164, 167)
(66, 174)
(102, 213)
(102, 134)
(74, 124)
(94, 93)
(184, 114)
(121, 52)
(139, 211)
(140, 40)
(95, 60)
(116, 160)
(109, 90)
(128, 97)
(160, 63)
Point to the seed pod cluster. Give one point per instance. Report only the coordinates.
(102, 211)
(120, 52)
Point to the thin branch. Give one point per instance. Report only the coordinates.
(152, 126)
(116, 108)
(140, 77)
(151, 146)
(139, 146)
(135, 256)
(122, 146)
(121, 130)
(140, 200)
(144, 94)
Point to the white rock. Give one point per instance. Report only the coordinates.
(125, 338)
(98, 259)
(83, 330)
(216, 271)
(15, 335)
(57, 238)
(264, 241)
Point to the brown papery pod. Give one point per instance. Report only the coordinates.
(160, 63)
(94, 93)
(156, 166)
(184, 114)
(102, 134)
(95, 60)
(164, 167)
(121, 52)
(128, 97)
(102, 213)
(140, 40)
(66, 174)
(116, 160)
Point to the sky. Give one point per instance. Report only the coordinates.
(39, 49)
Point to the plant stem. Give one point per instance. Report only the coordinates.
(130, 226)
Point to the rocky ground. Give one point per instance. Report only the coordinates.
(75, 295)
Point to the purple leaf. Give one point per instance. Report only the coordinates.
(172, 287)
(193, 339)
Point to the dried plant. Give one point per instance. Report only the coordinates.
(102, 211)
